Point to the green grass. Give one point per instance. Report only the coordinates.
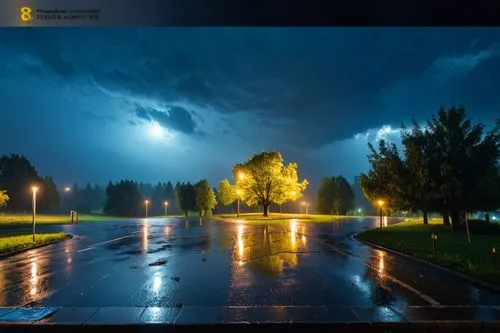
(452, 251)
(14, 242)
(277, 217)
(6, 219)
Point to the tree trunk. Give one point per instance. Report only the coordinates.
(266, 209)
(446, 218)
(426, 219)
(186, 213)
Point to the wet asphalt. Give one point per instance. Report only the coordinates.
(191, 262)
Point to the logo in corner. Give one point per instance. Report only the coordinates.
(26, 14)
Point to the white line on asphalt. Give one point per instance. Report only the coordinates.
(108, 241)
(425, 297)
(87, 249)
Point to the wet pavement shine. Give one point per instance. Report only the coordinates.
(193, 263)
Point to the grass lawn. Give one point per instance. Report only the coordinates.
(277, 217)
(15, 241)
(6, 219)
(452, 251)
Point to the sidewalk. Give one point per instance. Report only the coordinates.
(291, 318)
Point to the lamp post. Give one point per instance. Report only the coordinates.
(146, 203)
(238, 194)
(359, 211)
(306, 205)
(380, 204)
(166, 207)
(34, 189)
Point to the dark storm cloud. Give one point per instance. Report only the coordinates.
(317, 85)
(175, 118)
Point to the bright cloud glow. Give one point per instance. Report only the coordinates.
(156, 131)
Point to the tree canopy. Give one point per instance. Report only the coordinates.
(123, 199)
(4, 198)
(205, 197)
(335, 195)
(450, 166)
(227, 194)
(186, 198)
(264, 179)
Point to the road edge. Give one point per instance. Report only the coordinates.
(471, 279)
(13, 253)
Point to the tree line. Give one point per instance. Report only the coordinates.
(450, 166)
(124, 198)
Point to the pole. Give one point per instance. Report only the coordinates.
(380, 217)
(146, 210)
(34, 213)
(165, 210)
(307, 208)
(467, 226)
(238, 211)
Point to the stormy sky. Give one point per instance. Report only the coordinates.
(158, 104)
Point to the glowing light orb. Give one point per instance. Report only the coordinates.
(156, 131)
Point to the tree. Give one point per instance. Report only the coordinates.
(123, 199)
(264, 179)
(49, 199)
(463, 162)
(344, 196)
(4, 198)
(325, 196)
(17, 176)
(227, 194)
(386, 178)
(205, 197)
(419, 186)
(186, 198)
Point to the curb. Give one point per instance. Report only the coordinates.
(12, 253)
(447, 270)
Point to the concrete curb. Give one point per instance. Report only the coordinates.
(447, 270)
(13, 253)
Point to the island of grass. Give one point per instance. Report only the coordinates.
(479, 259)
(13, 242)
(22, 219)
(256, 218)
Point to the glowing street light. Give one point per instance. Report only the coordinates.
(241, 175)
(359, 211)
(146, 203)
(34, 189)
(166, 207)
(380, 204)
(306, 204)
(67, 189)
(238, 194)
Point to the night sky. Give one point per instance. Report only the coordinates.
(182, 104)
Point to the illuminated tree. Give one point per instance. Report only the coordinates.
(4, 198)
(264, 179)
(205, 197)
(227, 194)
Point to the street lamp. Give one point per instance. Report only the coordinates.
(359, 211)
(34, 189)
(67, 189)
(146, 203)
(380, 204)
(166, 207)
(241, 175)
(238, 194)
(306, 204)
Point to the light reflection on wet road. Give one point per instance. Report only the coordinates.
(177, 261)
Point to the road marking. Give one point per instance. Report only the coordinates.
(108, 241)
(87, 249)
(425, 297)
